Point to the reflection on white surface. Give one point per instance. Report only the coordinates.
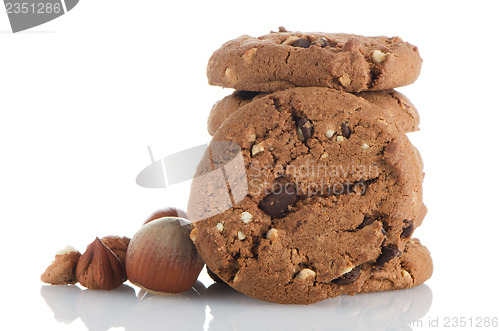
(394, 310)
(231, 310)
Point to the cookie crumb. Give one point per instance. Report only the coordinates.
(246, 217)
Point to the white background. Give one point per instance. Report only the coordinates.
(83, 96)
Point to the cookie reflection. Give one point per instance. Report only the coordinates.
(393, 310)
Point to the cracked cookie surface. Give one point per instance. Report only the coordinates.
(285, 59)
(332, 188)
(402, 111)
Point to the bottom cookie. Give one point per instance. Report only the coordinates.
(410, 269)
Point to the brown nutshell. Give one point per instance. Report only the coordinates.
(166, 212)
(99, 268)
(161, 258)
(62, 271)
(118, 245)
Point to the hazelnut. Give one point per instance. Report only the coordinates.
(118, 245)
(99, 268)
(166, 212)
(62, 271)
(161, 258)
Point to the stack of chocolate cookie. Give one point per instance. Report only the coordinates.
(332, 187)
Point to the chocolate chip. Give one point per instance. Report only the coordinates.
(349, 277)
(366, 221)
(388, 253)
(346, 132)
(304, 43)
(321, 42)
(278, 202)
(351, 45)
(306, 127)
(246, 95)
(408, 230)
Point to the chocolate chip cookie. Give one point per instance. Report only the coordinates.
(285, 59)
(396, 104)
(322, 184)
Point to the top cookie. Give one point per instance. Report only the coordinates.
(287, 59)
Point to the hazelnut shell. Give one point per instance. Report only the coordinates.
(166, 212)
(161, 258)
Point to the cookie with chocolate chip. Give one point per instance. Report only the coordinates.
(395, 103)
(303, 189)
(285, 59)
